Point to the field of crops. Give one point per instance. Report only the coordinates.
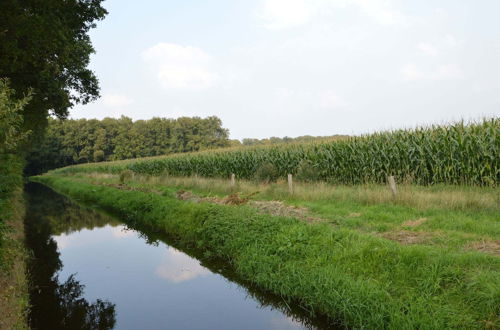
(455, 154)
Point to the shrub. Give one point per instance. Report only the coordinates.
(125, 175)
(98, 156)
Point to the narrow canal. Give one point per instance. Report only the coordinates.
(90, 271)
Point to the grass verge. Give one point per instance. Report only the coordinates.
(359, 279)
(14, 298)
(453, 217)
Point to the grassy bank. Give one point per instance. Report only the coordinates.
(13, 283)
(453, 217)
(332, 268)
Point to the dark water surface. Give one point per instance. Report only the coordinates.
(90, 271)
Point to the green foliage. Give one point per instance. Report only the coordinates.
(11, 118)
(10, 180)
(44, 54)
(266, 172)
(362, 280)
(98, 155)
(307, 172)
(44, 45)
(80, 141)
(10, 163)
(455, 154)
(11, 208)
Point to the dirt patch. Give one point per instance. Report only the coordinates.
(486, 246)
(414, 223)
(354, 215)
(279, 208)
(123, 186)
(119, 186)
(233, 199)
(187, 196)
(276, 208)
(407, 237)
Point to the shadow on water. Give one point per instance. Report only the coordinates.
(61, 306)
(56, 305)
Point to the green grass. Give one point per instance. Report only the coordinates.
(341, 268)
(14, 299)
(455, 217)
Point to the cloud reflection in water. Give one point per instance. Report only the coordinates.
(85, 237)
(177, 267)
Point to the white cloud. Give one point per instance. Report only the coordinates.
(122, 232)
(116, 100)
(381, 10)
(180, 67)
(177, 267)
(63, 241)
(282, 14)
(428, 49)
(284, 323)
(412, 72)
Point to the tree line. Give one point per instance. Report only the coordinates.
(284, 140)
(71, 141)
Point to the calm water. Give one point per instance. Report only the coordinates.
(92, 272)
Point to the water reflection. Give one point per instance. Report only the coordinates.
(160, 284)
(292, 314)
(177, 267)
(58, 304)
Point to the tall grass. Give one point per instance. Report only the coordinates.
(13, 282)
(455, 154)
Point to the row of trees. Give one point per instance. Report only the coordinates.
(286, 139)
(69, 142)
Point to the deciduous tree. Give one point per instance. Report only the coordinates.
(45, 46)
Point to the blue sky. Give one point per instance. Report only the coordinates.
(297, 67)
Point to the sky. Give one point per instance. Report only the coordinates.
(298, 67)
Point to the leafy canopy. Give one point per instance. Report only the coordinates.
(11, 118)
(44, 46)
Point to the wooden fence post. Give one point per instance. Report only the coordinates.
(392, 185)
(233, 181)
(290, 184)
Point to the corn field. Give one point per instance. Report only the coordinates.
(455, 154)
